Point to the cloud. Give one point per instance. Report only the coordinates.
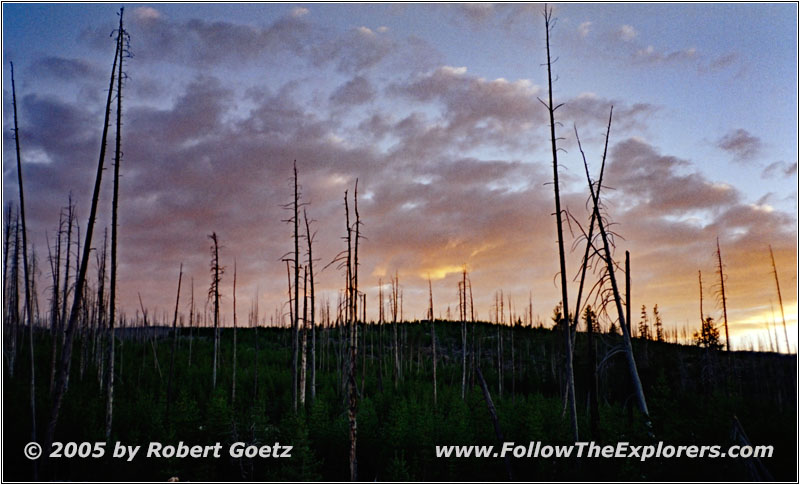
(146, 14)
(740, 143)
(627, 33)
(779, 170)
(584, 28)
(476, 12)
(65, 69)
(299, 12)
(355, 51)
(659, 183)
(476, 110)
(199, 42)
(650, 55)
(355, 91)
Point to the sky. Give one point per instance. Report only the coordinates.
(435, 109)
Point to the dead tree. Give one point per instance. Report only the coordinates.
(780, 299)
(28, 308)
(433, 335)
(294, 299)
(311, 310)
(700, 282)
(610, 274)
(66, 355)
(304, 340)
(551, 109)
(233, 377)
(395, 347)
(724, 300)
(627, 289)
(123, 41)
(352, 291)
(594, 412)
(462, 298)
(174, 343)
(495, 422)
(381, 321)
(55, 302)
(213, 292)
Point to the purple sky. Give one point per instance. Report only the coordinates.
(434, 109)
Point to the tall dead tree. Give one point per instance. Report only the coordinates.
(304, 340)
(724, 300)
(780, 299)
(213, 292)
(233, 378)
(381, 321)
(294, 299)
(463, 314)
(433, 335)
(395, 347)
(352, 316)
(123, 41)
(66, 354)
(55, 271)
(28, 307)
(311, 310)
(174, 343)
(551, 109)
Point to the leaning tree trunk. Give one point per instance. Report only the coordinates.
(780, 300)
(28, 308)
(606, 255)
(66, 355)
(724, 300)
(114, 238)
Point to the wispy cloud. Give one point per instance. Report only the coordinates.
(740, 143)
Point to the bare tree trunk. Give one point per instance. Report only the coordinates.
(493, 414)
(594, 412)
(296, 313)
(114, 238)
(191, 323)
(463, 315)
(174, 343)
(563, 267)
(310, 239)
(66, 355)
(624, 323)
(216, 272)
(304, 341)
(433, 335)
(381, 321)
(396, 374)
(780, 299)
(28, 308)
(233, 378)
(353, 338)
(724, 301)
(55, 267)
(628, 290)
(700, 282)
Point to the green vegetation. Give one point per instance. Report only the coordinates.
(693, 395)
